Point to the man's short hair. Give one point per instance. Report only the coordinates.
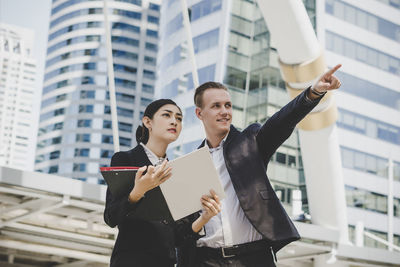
(198, 95)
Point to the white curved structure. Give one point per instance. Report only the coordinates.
(299, 49)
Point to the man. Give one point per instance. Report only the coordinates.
(252, 225)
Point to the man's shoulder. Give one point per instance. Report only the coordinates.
(252, 128)
(249, 131)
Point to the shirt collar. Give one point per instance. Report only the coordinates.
(152, 157)
(212, 149)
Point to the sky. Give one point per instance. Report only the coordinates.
(34, 15)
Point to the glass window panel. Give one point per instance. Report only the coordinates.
(338, 9)
(372, 57)
(382, 167)
(347, 158)
(371, 129)
(359, 123)
(362, 20)
(359, 161)
(371, 164)
(281, 158)
(350, 14)
(373, 23)
(338, 45)
(348, 119)
(349, 49)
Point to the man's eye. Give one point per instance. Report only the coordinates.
(179, 119)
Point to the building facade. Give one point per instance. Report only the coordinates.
(365, 38)
(232, 45)
(18, 98)
(75, 135)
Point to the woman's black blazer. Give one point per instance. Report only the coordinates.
(141, 242)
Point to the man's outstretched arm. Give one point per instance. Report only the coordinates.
(281, 125)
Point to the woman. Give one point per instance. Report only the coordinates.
(143, 242)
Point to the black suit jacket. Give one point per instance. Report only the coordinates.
(247, 154)
(141, 242)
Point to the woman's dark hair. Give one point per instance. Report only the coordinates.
(142, 133)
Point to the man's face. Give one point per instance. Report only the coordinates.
(216, 112)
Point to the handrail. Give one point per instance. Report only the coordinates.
(380, 240)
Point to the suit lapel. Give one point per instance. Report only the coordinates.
(140, 161)
(231, 135)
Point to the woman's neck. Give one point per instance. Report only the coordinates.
(159, 148)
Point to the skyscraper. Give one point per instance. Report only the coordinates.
(75, 136)
(18, 98)
(232, 45)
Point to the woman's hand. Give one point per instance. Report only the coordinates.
(211, 207)
(153, 178)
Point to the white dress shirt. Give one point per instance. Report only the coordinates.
(230, 226)
(152, 157)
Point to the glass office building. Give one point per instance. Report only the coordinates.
(365, 37)
(19, 99)
(232, 45)
(75, 136)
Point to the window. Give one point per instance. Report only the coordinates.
(107, 124)
(82, 138)
(81, 152)
(153, 6)
(150, 60)
(205, 41)
(106, 153)
(152, 33)
(145, 101)
(79, 167)
(338, 44)
(55, 154)
(124, 141)
(125, 127)
(149, 74)
(148, 88)
(363, 19)
(204, 8)
(56, 140)
(87, 94)
(364, 162)
(153, 19)
(53, 169)
(151, 46)
(107, 139)
(85, 109)
(368, 126)
(84, 123)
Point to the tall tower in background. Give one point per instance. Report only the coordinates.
(75, 136)
(232, 45)
(18, 98)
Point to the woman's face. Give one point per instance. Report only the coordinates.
(166, 124)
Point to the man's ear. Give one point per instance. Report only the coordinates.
(198, 113)
(146, 122)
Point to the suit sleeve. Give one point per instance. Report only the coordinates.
(183, 230)
(117, 209)
(280, 126)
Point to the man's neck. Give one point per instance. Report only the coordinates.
(215, 140)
